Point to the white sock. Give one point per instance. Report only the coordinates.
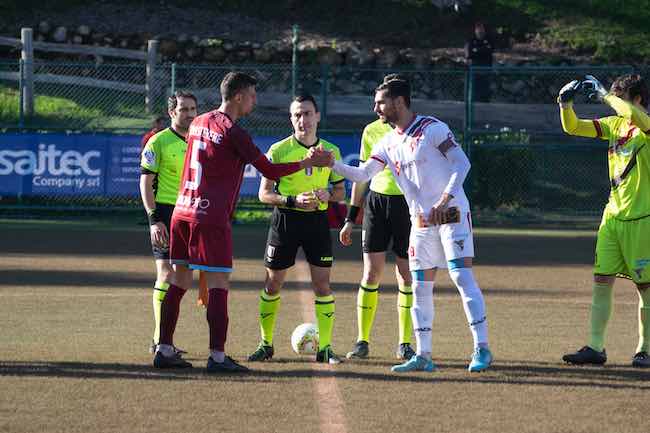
(217, 356)
(473, 303)
(166, 349)
(422, 313)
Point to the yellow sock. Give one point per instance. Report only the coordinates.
(159, 293)
(269, 306)
(601, 311)
(404, 303)
(325, 318)
(367, 298)
(644, 321)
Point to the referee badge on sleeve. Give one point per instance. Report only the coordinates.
(270, 251)
(149, 157)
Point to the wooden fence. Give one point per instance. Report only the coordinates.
(26, 76)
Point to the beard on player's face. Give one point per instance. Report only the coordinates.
(388, 115)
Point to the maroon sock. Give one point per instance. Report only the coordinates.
(169, 311)
(217, 316)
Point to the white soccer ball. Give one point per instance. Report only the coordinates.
(304, 339)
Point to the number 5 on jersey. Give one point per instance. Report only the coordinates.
(195, 165)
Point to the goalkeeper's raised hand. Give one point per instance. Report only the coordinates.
(569, 91)
(594, 88)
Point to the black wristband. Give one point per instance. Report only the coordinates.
(353, 213)
(153, 216)
(291, 201)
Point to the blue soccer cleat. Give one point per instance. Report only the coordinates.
(481, 359)
(416, 363)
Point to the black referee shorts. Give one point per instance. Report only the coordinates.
(165, 212)
(291, 229)
(386, 218)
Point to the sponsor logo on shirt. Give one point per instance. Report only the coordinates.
(198, 204)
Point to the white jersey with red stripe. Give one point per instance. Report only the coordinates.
(417, 156)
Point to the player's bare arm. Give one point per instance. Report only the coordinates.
(356, 200)
(337, 193)
(157, 230)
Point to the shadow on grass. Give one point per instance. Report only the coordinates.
(542, 374)
(249, 243)
(121, 280)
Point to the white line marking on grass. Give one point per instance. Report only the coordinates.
(328, 397)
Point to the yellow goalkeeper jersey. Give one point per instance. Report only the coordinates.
(628, 159)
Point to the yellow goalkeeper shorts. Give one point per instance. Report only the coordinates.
(623, 248)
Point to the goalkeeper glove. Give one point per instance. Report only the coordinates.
(568, 91)
(594, 88)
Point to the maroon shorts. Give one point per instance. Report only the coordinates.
(200, 246)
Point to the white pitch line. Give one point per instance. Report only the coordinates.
(328, 397)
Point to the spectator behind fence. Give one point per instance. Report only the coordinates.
(479, 52)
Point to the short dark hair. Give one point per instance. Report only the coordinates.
(306, 97)
(172, 101)
(391, 77)
(395, 88)
(235, 82)
(629, 87)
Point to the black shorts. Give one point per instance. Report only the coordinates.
(165, 212)
(291, 229)
(386, 218)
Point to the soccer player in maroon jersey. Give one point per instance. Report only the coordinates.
(218, 150)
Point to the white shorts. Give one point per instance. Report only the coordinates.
(432, 247)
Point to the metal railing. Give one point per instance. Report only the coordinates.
(506, 118)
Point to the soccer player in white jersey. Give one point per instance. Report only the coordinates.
(429, 168)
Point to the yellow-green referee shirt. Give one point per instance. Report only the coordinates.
(308, 179)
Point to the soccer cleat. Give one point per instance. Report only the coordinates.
(228, 365)
(179, 351)
(405, 351)
(154, 346)
(586, 355)
(481, 360)
(262, 353)
(174, 361)
(327, 355)
(359, 351)
(641, 360)
(416, 363)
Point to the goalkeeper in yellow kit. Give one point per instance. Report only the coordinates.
(623, 245)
